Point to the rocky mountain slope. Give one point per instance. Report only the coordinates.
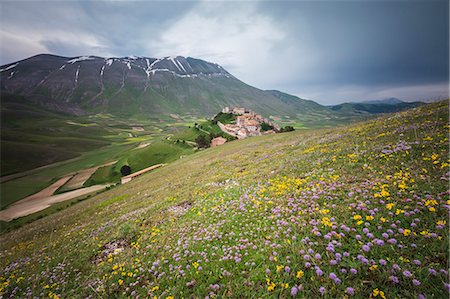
(133, 86)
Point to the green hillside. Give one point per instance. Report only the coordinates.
(360, 210)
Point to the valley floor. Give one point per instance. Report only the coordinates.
(359, 211)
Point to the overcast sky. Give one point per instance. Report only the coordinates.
(328, 51)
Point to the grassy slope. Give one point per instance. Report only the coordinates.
(239, 220)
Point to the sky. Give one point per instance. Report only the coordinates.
(327, 51)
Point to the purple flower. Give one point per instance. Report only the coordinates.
(307, 264)
(432, 271)
(353, 271)
(407, 273)
(287, 269)
(333, 276)
(416, 282)
(394, 279)
(379, 242)
(333, 262)
(382, 262)
(417, 262)
(322, 290)
(366, 248)
(350, 291)
(421, 296)
(319, 272)
(294, 291)
(318, 256)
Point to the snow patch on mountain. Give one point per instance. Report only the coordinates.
(76, 74)
(9, 67)
(109, 61)
(81, 58)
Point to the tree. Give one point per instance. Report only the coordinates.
(266, 127)
(125, 170)
(287, 129)
(203, 141)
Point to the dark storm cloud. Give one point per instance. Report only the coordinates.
(370, 42)
(330, 51)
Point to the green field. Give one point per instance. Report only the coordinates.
(65, 146)
(357, 211)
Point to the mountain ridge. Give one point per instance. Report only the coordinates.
(132, 85)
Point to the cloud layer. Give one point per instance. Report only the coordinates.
(327, 51)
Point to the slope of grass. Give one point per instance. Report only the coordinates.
(356, 211)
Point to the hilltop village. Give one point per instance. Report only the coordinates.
(248, 123)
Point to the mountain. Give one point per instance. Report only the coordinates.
(131, 86)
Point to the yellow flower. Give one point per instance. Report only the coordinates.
(399, 211)
(368, 218)
(431, 202)
(271, 286)
(377, 292)
(441, 222)
(155, 288)
(326, 221)
(431, 209)
(169, 297)
(360, 222)
(120, 281)
(389, 206)
(384, 193)
(373, 267)
(383, 219)
(279, 268)
(300, 274)
(402, 186)
(357, 217)
(406, 232)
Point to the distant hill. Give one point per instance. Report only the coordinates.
(375, 106)
(389, 101)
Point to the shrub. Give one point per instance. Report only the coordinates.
(125, 170)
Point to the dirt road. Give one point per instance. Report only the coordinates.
(29, 206)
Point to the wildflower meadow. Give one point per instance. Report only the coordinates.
(359, 211)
